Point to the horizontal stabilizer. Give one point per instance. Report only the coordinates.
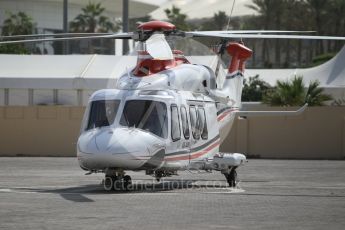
(271, 113)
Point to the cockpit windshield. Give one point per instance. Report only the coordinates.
(102, 113)
(146, 115)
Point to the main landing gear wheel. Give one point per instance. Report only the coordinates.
(127, 182)
(231, 178)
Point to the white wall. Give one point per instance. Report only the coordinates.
(23, 97)
(86, 95)
(2, 97)
(18, 97)
(67, 97)
(43, 96)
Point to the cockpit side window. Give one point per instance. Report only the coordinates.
(102, 113)
(147, 115)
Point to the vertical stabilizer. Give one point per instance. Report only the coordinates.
(233, 83)
(231, 91)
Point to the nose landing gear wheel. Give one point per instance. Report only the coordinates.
(117, 183)
(109, 183)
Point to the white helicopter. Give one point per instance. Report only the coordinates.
(167, 114)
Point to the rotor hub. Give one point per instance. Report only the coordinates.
(157, 26)
(146, 29)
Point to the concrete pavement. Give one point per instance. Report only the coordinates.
(54, 193)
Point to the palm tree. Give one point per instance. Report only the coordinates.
(220, 20)
(318, 8)
(337, 13)
(264, 8)
(324, 16)
(92, 20)
(254, 89)
(272, 15)
(315, 95)
(16, 24)
(177, 18)
(294, 93)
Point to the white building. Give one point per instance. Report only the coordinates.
(48, 14)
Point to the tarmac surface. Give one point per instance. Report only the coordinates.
(54, 193)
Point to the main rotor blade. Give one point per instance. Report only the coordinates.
(111, 36)
(158, 47)
(51, 35)
(267, 36)
(252, 32)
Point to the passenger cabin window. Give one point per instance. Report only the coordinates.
(175, 124)
(202, 123)
(102, 113)
(185, 125)
(147, 115)
(193, 122)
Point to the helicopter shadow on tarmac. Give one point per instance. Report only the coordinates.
(79, 193)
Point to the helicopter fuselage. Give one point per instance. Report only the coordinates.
(164, 121)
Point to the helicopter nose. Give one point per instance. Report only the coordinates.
(124, 148)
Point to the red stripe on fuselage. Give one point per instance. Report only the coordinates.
(196, 154)
(224, 114)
